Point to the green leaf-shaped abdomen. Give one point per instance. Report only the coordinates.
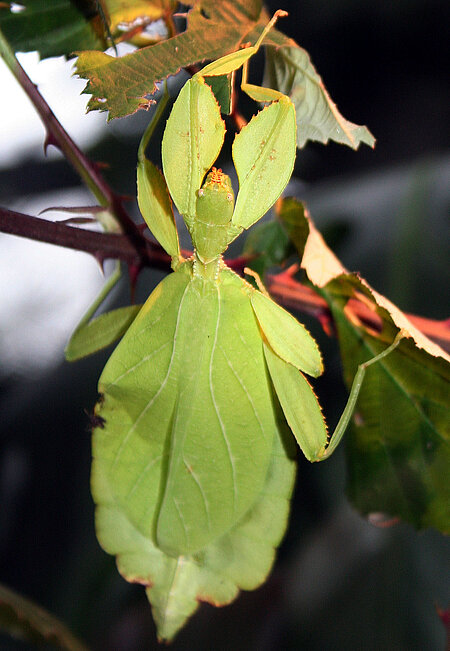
(224, 423)
(189, 420)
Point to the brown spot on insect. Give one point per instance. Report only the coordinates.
(94, 420)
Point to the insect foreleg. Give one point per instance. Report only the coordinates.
(352, 399)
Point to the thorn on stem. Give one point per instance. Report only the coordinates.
(50, 140)
(100, 258)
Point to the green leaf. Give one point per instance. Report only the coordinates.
(221, 86)
(240, 559)
(399, 445)
(264, 155)
(192, 140)
(156, 207)
(291, 213)
(120, 85)
(100, 332)
(289, 69)
(273, 242)
(270, 244)
(52, 28)
(24, 619)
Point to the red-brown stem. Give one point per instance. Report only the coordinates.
(289, 292)
(58, 136)
(101, 245)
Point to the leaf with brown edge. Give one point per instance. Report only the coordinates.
(122, 85)
(399, 443)
(125, 12)
(322, 267)
(289, 69)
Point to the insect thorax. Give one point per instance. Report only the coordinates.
(214, 210)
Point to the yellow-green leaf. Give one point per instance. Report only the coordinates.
(122, 85)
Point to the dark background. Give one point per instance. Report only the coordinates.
(339, 582)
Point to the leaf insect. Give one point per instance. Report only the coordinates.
(189, 395)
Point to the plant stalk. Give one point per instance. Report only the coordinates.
(286, 290)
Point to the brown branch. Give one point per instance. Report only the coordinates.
(102, 246)
(56, 135)
(288, 292)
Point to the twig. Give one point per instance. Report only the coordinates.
(102, 246)
(288, 291)
(57, 136)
